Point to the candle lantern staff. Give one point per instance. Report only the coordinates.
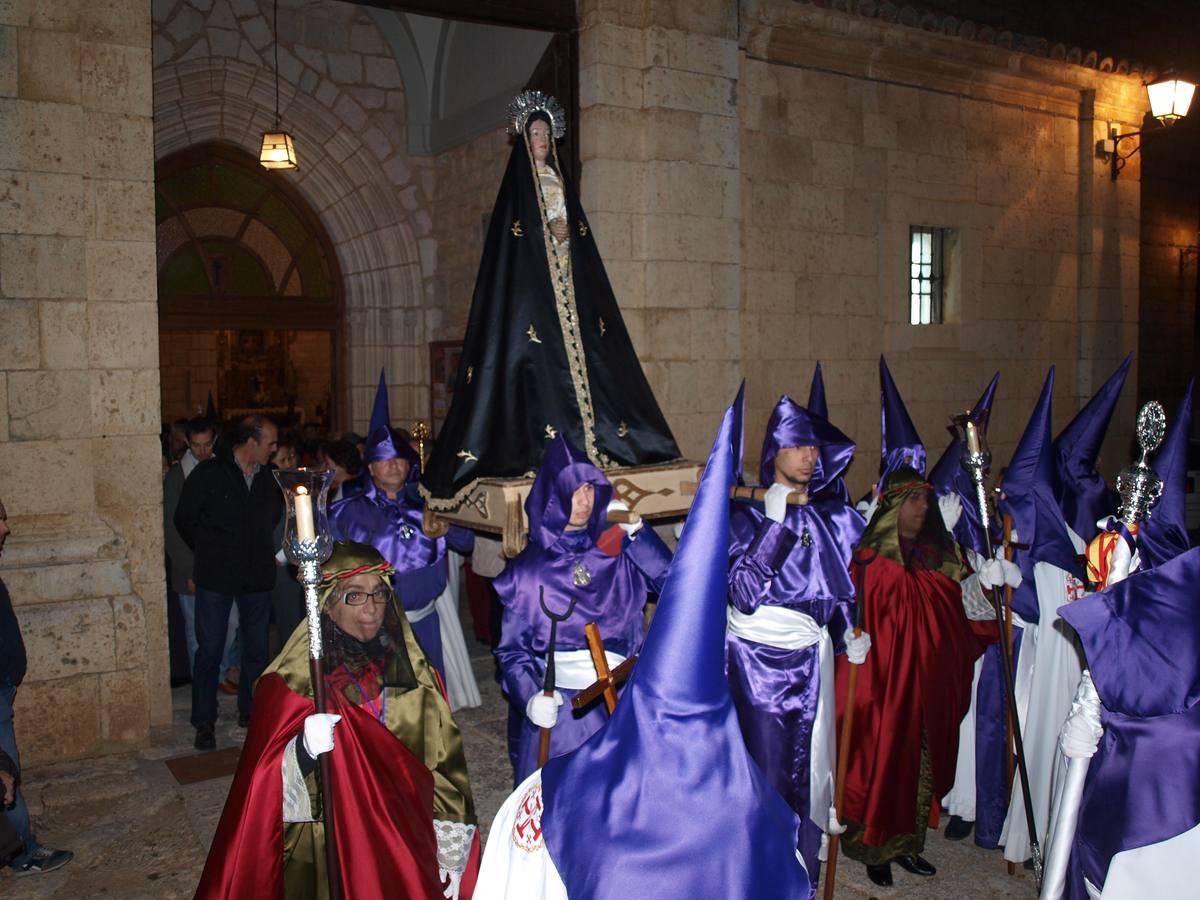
(308, 542)
(976, 459)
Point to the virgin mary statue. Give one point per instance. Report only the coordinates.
(546, 352)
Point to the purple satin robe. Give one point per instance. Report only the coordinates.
(393, 527)
(775, 690)
(1142, 640)
(613, 598)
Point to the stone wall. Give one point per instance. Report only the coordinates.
(342, 98)
(753, 205)
(660, 183)
(467, 179)
(79, 374)
(853, 130)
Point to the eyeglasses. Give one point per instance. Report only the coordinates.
(358, 598)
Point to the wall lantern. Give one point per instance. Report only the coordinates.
(1170, 99)
(278, 150)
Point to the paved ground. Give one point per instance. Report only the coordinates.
(136, 833)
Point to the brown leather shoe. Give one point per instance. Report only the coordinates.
(228, 687)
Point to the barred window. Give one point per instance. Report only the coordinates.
(926, 285)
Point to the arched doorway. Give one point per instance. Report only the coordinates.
(249, 292)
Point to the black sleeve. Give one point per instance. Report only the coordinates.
(7, 765)
(306, 763)
(191, 501)
(12, 647)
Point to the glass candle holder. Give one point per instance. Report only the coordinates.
(307, 537)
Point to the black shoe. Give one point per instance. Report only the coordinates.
(205, 739)
(243, 721)
(881, 874)
(958, 828)
(43, 859)
(918, 865)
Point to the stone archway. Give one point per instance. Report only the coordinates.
(371, 198)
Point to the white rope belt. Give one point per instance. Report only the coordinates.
(787, 629)
(416, 615)
(574, 669)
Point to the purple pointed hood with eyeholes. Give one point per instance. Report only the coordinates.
(664, 800)
(1164, 535)
(1028, 494)
(564, 470)
(949, 477)
(901, 445)
(1080, 489)
(791, 425)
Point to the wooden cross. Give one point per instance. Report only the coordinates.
(606, 680)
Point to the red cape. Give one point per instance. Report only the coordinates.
(916, 677)
(383, 808)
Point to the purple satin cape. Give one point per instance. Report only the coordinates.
(393, 527)
(665, 801)
(1142, 640)
(991, 733)
(613, 598)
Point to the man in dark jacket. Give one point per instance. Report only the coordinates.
(227, 514)
(33, 859)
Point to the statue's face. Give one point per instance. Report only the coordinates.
(539, 141)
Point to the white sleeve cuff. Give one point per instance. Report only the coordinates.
(454, 844)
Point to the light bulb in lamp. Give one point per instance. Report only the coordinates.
(1170, 98)
(278, 151)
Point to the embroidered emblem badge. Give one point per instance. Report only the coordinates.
(516, 228)
(407, 532)
(533, 335)
(551, 432)
(467, 455)
(527, 829)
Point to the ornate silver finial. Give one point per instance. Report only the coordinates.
(526, 103)
(1138, 485)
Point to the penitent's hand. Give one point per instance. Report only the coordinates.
(318, 733)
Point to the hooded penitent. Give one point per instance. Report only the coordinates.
(1080, 489)
(389, 783)
(791, 593)
(1164, 535)
(1028, 496)
(665, 801)
(914, 686)
(546, 351)
(1142, 641)
(394, 526)
(560, 566)
(900, 445)
(949, 477)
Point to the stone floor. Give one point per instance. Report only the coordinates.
(136, 833)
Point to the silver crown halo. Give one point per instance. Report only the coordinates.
(526, 103)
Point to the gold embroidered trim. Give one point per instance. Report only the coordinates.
(516, 228)
(467, 455)
(568, 315)
(533, 336)
(470, 373)
(551, 432)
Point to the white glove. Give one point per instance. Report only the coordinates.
(1012, 573)
(834, 827)
(776, 501)
(542, 711)
(455, 883)
(1081, 732)
(951, 509)
(318, 733)
(1122, 564)
(857, 647)
(631, 528)
(991, 573)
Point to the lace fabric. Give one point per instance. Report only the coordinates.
(454, 844)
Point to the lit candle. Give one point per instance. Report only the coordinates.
(304, 515)
(972, 438)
